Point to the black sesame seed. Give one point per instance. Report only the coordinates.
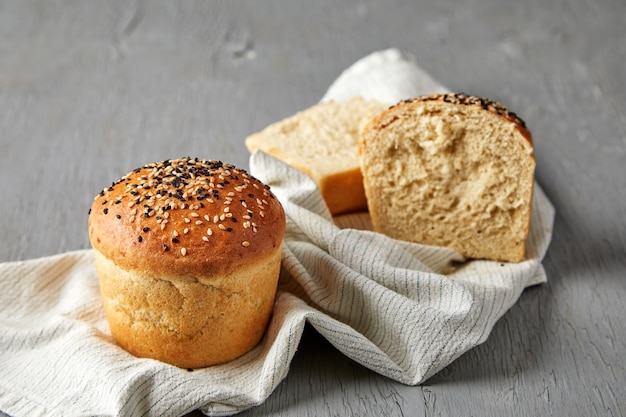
(175, 239)
(139, 239)
(229, 229)
(105, 211)
(146, 229)
(117, 216)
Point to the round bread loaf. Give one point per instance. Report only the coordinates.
(188, 256)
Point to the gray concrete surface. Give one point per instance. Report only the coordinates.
(91, 90)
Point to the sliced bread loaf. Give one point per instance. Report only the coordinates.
(322, 142)
(451, 170)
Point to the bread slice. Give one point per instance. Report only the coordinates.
(451, 170)
(322, 142)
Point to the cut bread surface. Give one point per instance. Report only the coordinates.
(322, 142)
(444, 171)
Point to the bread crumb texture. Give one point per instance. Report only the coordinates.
(451, 170)
(322, 142)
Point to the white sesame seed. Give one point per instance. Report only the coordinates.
(246, 225)
(226, 209)
(194, 214)
(198, 221)
(209, 231)
(261, 213)
(221, 226)
(239, 188)
(175, 233)
(216, 219)
(206, 239)
(187, 220)
(186, 230)
(207, 218)
(162, 226)
(166, 215)
(230, 194)
(247, 217)
(243, 203)
(245, 243)
(183, 251)
(131, 219)
(222, 217)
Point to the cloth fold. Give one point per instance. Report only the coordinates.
(403, 310)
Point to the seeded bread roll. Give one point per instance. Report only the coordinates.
(188, 254)
(451, 170)
(322, 142)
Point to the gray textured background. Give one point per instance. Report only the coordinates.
(91, 90)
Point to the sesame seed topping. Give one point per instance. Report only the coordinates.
(187, 185)
(183, 251)
(245, 243)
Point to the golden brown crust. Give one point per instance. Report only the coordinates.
(186, 217)
(469, 100)
(344, 192)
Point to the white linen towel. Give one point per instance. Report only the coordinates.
(400, 309)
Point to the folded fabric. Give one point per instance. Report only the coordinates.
(400, 309)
